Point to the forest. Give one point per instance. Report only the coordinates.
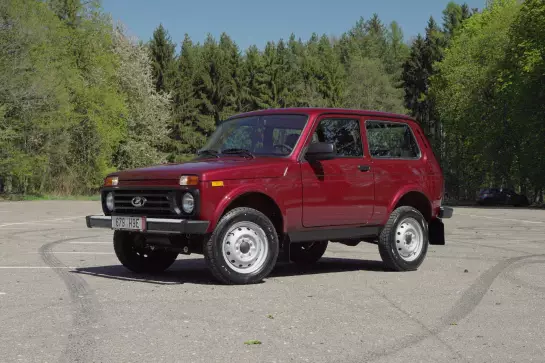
(80, 97)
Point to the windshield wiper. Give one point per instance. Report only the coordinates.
(208, 152)
(234, 151)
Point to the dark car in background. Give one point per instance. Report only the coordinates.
(501, 196)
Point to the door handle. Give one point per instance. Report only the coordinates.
(364, 167)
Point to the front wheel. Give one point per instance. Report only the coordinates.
(403, 242)
(243, 248)
(132, 252)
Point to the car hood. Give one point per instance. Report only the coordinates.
(210, 169)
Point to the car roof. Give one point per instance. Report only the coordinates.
(313, 111)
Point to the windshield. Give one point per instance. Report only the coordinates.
(270, 135)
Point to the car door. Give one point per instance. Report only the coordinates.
(339, 191)
(396, 160)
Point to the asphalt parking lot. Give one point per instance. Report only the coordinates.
(65, 298)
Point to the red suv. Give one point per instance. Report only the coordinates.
(282, 183)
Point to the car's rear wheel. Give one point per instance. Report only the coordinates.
(243, 248)
(307, 253)
(403, 243)
(135, 255)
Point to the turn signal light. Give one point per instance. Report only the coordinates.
(189, 180)
(111, 181)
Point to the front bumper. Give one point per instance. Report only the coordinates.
(156, 225)
(445, 212)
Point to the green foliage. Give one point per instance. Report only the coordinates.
(79, 98)
(63, 104)
(162, 51)
(475, 101)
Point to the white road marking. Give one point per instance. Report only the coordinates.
(33, 267)
(75, 253)
(2, 293)
(500, 219)
(91, 243)
(40, 221)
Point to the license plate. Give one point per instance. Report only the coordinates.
(129, 223)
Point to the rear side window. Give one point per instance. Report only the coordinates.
(344, 133)
(391, 140)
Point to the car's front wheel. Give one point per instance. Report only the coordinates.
(243, 248)
(133, 253)
(403, 242)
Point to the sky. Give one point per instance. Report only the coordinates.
(250, 22)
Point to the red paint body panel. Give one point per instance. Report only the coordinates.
(335, 194)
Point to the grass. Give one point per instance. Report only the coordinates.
(20, 197)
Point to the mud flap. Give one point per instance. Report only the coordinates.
(436, 232)
(284, 253)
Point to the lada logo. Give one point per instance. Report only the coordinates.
(138, 201)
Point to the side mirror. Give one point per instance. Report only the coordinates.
(321, 151)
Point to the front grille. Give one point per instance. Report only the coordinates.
(159, 203)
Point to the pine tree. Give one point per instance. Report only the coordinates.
(216, 84)
(415, 75)
(330, 74)
(255, 81)
(187, 130)
(162, 51)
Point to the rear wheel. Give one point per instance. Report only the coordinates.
(243, 248)
(133, 253)
(307, 253)
(403, 242)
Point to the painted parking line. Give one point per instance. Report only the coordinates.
(33, 267)
(2, 293)
(90, 243)
(74, 253)
(500, 219)
(40, 221)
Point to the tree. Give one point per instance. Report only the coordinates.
(473, 111)
(522, 79)
(187, 127)
(370, 87)
(162, 51)
(255, 79)
(148, 111)
(415, 75)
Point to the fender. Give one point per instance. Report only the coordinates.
(242, 189)
(405, 190)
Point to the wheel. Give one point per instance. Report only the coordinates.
(243, 248)
(403, 243)
(307, 253)
(134, 255)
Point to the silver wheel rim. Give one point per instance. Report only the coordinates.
(409, 239)
(245, 247)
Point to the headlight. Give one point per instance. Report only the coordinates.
(110, 201)
(188, 203)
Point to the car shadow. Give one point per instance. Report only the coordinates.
(195, 271)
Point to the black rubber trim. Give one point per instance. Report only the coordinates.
(446, 212)
(436, 233)
(333, 234)
(182, 226)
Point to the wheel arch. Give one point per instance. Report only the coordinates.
(416, 199)
(257, 200)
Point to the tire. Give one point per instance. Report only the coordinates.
(141, 259)
(243, 248)
(305, 254)
(396, 254)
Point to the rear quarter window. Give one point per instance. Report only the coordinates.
(391, 140)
